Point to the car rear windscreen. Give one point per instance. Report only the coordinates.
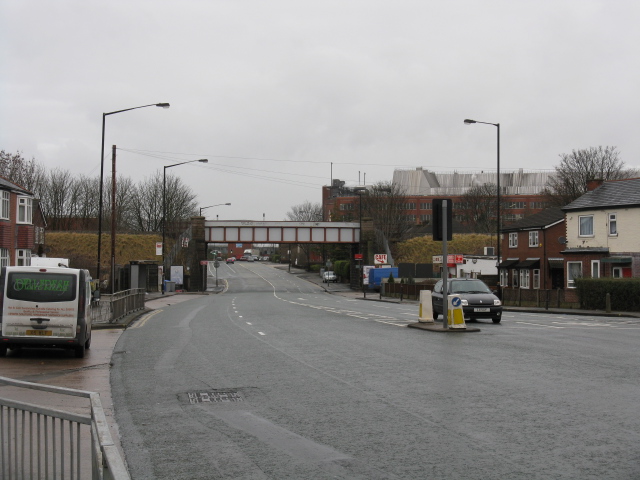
(41, 287)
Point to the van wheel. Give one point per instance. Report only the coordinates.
(87, 344)
(79, 351)
(3, 351)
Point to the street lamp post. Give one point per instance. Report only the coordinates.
(497, 125)
(164, 209)
(104, 117)
(216, 205)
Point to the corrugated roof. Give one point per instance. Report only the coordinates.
(427, 183)
(615, 193)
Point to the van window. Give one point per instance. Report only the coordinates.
(41, 287)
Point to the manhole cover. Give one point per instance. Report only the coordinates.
(214, 396)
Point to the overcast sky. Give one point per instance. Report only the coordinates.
(273, 92)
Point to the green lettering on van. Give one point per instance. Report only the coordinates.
(41, 285)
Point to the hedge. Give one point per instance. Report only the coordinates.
(625, 293)
(342, 269)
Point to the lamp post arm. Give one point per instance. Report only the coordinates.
(163, 105)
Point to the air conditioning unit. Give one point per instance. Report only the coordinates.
(489, 251)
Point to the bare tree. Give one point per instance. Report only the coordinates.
(580, 166)
(477, 208)
(306, 212)
(26, 173)
(384, 203)
(147, 207)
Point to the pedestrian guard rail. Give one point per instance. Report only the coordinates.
(42, 442)
(110, 308)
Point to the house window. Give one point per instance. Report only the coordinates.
(346, 206)
(409, 206)
(425, 206)
(595, 268)
(4, 210)
(504, 277)
(514, 278)
(25, 207)
(616, 272)
(524, 278)
(513, 240)
(536, 278)
(4, 257)
(23, 257)
(425, 218)
(39, 235)
(533, 239)
(574, 270)
(613, 224)
(586, 225)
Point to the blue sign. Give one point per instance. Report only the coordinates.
(238, 245)
(456, 301)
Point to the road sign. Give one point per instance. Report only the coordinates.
(357, 256)
(203, 262)
(380, 259)
(216, 264)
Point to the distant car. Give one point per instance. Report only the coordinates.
(255, 258)
(231, 260)
(250, 258)
(265, 259)
(478, 301)
(329, 277)
(242, 259)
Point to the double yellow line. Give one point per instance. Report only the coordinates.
(144, 319)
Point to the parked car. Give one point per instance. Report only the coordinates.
(329, 277)
(231, 260)
(478, 301)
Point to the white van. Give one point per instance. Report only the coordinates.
(45, 307)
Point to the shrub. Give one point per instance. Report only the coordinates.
(342, 269)
(624, 292)
(391, 279)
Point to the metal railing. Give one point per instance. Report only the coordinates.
(41, 442)
(112, 307)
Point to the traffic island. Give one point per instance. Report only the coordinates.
(437, 327)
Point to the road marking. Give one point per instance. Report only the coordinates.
(144, 319)
(538, 325)
(262, 333)
(249, 323)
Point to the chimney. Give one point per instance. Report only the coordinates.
(594, 183)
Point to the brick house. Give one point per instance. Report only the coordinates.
(603, 231)
(21, 225)
(531, 251)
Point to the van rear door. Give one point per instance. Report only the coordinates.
(40, 303)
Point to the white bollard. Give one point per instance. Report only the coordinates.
(425, 315)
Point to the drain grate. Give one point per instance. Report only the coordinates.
(215, 396)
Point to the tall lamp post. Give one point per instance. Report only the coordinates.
(497, 125)
(216, 205)
(104, 117)
(164, 208)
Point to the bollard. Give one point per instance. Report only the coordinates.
(425, 312)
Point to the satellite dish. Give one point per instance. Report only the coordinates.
(562, 240)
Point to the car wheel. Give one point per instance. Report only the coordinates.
(79, 351)
(496, 319)
(435, 314)
(3, 351)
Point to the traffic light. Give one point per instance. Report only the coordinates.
(438, 220)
